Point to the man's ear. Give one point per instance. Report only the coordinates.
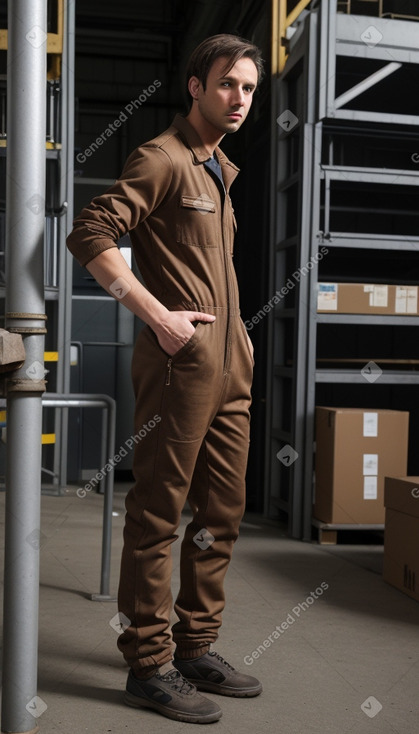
(193, 86)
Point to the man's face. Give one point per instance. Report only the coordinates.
(226, 101)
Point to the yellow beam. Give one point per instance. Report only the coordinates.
(48, 438)
(281, 19)
(282, 34)
(274, 37)
(51, 356)
(54, 40)
(295, 12)
(48, 145)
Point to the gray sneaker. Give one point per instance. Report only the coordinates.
(172, 696)
(212, 673)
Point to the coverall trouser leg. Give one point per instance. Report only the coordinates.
(199, 405)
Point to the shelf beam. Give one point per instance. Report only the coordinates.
(355, 377)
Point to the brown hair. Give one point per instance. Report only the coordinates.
(224, 44)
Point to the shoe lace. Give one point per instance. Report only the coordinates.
(221, 659)
(177, 682)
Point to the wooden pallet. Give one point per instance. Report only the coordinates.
(327, 532)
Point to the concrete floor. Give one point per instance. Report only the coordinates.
(338, 659)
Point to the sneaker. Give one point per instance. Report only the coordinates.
(173, 696)
(212, 673)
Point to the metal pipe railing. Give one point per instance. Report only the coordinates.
(86, 400)
(93, 400)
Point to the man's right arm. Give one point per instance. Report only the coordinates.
(172, 328)
(93, 242)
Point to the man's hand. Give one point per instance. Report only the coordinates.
(177, 328)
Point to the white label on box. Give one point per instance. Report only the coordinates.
(412, 299)
(370, 488)
(379, 296)
(407, 299)
(327, 297)
(370, 465)
(370, 424)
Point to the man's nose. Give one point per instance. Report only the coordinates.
(238, 96)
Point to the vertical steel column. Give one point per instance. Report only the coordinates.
(65, 224)
(25, 206)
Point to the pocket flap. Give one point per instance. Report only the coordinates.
(200, 203)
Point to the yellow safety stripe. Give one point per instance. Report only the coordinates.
(48, 438)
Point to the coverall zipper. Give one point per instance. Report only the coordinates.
(226, 268)
(169, 370)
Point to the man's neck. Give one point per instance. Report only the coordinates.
(209, 135)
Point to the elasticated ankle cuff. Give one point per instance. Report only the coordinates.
(191, 653)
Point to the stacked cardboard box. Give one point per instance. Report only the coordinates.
(355, 450)
(366, 298)
(401, 535)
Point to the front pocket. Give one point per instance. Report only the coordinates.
(189, 346)
(249, 345)
(197, 219)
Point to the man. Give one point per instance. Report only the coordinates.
(192, 369)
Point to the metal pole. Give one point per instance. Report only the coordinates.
(25, 206)
(65, 224)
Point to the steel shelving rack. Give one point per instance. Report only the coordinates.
(328, 92)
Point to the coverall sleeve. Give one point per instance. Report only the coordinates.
(143, 184)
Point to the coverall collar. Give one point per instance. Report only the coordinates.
(194, 142)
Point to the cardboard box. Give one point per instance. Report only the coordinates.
(355, 450)
(366, 298)
(401, 535)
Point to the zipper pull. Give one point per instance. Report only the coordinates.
(169, 371)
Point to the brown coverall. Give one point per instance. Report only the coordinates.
(181, 227)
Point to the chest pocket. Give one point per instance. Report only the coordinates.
(198, 222)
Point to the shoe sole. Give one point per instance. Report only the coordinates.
(137, 702)
(225, 691)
